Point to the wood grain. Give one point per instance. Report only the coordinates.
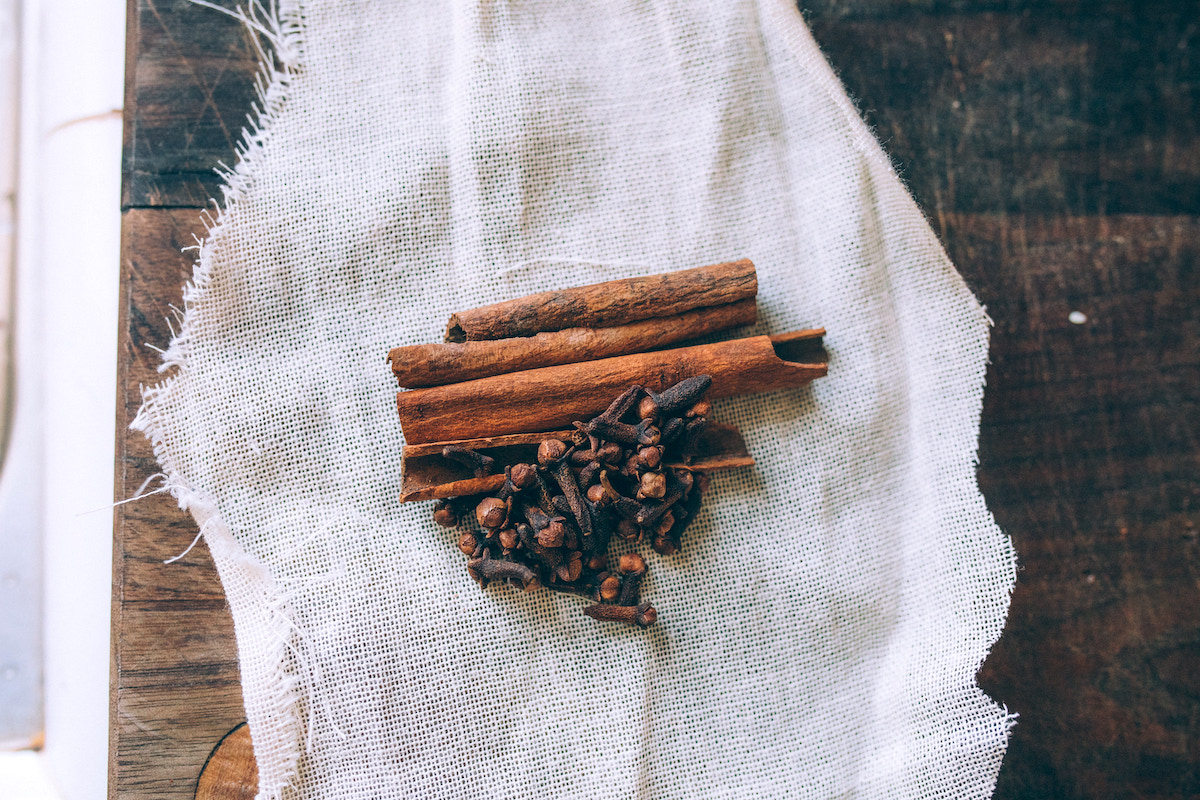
(1027, 106)
(1054, 145)
(188, 88)
(1090, 459)
(175, 683)
(175, 689)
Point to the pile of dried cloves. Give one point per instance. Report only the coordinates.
(622, 475)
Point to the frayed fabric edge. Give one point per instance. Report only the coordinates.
(259, 607)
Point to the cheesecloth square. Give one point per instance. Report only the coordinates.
(819, 635)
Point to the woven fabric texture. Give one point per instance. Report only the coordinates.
(819, 635)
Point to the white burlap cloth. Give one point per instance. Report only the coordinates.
(820, 633)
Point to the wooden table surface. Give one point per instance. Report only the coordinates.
(1053, 145)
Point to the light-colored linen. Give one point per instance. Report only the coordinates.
(820, 633)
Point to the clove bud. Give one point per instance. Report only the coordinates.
(652, 485)
(553, 534)
(444, 515)
(649, 457)
(632, 562)
(610, 588)
(488, 569)
(522, 476)
(480, 464)
(491, 512)
(570, 569)
(664, 546)
(467, 543)
(508, 538)
(609, 480)
(597, 494)
(550, 451)
(642, 615)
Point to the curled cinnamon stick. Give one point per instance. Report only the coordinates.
(422, 365)
(552, 397)
(427, 475)
(608, 304)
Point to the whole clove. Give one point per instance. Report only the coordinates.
(570, 490)
(618, 408)
(610, 588)
(631, 584)
(444, 514)
(682, 395)
(491, 512)
(616, 478)
(642, 615)
(643, 433)
(480, 464)
(489, 569)
(517, 479)
(550, 451)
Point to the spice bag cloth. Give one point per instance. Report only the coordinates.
(820, 633)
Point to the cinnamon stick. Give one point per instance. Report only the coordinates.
(485, 444)
(608, 304)
(426, 475)
(552, 397)
(422, 365)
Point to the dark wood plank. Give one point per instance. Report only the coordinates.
(1028, 107)
(177, 696)
(189, 87)
(1054, 145)
(175, 681)
(1090, 459)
